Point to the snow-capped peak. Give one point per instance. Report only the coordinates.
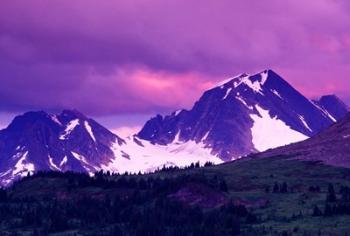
(222, 83)
(254, 82)
(264, 75)
(256, 86)
(237, 127)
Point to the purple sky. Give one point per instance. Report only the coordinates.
(140, 57)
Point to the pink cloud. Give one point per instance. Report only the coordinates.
(114, 57)
(135, 90)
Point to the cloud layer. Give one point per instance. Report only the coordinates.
(128, 56)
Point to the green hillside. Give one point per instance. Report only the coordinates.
(271, 196)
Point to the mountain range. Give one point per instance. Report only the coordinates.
(242, 115)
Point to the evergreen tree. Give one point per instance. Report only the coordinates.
(328, 210)
(276, 188)
(236, 228)
(331, 197)
(284, 188)
(3, 195)
(317, 211)
(223, 186)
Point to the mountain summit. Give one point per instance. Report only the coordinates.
(245, 114)
(41, 141)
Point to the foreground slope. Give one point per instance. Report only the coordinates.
(265, 196)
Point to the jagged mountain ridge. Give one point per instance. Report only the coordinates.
(229, 118)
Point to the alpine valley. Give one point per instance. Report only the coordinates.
(242, 115)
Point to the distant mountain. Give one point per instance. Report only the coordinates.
(72, 142)
(247, 113)
(41, 141)
(331, 146)
(333, 106)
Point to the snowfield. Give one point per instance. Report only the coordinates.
(140, 155)
(269, 132)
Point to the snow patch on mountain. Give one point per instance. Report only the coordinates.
(329, 115)
(22, 166)
(240, 79)
(53, 166)
(89, 130)
(178, 112)
(255, 86)
(304, 122)
(325, 112)
(269, 132)
(55, 119)
(276, 93)
(227, 93)
(245, 79)
(205, 136)
(244, 102)
(264, 76)
(88, 167)
(177, 138)
(70, 127)
(64, 161)
(5, 173)
(6, 177)
(223, 82)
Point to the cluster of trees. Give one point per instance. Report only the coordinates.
(314, 189)
(141, 182)
(278, 188)
(134, 205)
(190, 167)
(335, 205)
(55, 174)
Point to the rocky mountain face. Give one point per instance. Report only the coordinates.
(331, 146)
(41, 141)
(245, 114)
